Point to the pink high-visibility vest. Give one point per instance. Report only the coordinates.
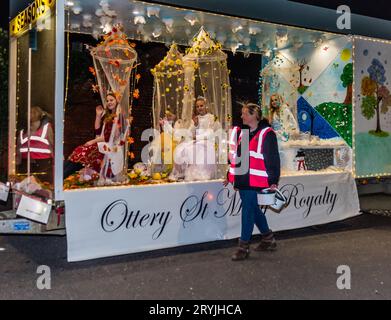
(257, 171)
(39, 144)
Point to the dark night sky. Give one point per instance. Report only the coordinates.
(4, 13)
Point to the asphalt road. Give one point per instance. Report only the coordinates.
(304, 267)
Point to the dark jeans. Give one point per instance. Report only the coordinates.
(251, 214)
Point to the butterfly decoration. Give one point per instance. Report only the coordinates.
(136, 94)
(108, 52)
(116, 63)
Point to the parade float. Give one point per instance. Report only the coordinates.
(156, 61)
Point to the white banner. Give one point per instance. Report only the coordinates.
(114, 221)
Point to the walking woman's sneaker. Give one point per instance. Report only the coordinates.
(243, 251)
(268, 243)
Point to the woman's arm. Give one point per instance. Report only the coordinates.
(96, 140)
(271, 158)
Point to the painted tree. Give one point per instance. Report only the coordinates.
(302, 66)
(376, 96)
(347, 81)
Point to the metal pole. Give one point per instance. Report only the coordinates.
(29, 114)
(59, 101)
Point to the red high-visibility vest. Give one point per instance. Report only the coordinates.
(257, 171)
(39, 144)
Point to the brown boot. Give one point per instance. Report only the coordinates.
(242, 252)
(268, 243)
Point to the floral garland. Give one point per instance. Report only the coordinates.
(171, 65)
(198, 49)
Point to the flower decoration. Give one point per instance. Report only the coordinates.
(203, 45)
(92, 70)
(116, 63)
(136, 94)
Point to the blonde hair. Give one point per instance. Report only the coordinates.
(253, 108)
(279, 98)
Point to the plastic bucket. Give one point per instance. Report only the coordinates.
(273, 198)
(279, 201)
(266, 197)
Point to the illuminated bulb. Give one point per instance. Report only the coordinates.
(153, 11)
(77, 9)
(254, 30)
(104, 3)
(168, 23)
(107, 28)
(237, 26)
(235, 46)
(69, 3)
(191, 18)
(157, 32)
(139, 20)
(75, 26)
(87, 21)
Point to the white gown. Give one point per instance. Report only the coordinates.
(196, 159)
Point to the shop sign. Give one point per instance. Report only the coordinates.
(30, 15)
(113, 221)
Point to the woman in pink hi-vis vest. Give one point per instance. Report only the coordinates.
(254, 166)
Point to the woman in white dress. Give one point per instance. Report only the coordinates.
(285, 125)
(196, 159)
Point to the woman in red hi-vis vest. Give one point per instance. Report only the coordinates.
(39, 144)
(254, 165)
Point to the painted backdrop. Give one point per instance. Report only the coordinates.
(372, 81)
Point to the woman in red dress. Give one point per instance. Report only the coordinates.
(88, 155)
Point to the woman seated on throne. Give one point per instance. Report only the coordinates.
(196, 159)
(104, 154)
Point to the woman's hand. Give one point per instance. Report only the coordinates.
(273, 187)
(99, 111)
(195, 120)
(225, 182)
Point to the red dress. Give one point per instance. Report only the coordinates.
(89, 156)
